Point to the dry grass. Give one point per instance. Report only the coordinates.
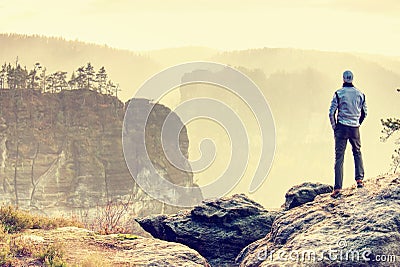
(14, 220)
(13, 245)
(18, 247)
(94, 260)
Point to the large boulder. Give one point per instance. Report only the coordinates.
(218, 229)
(306, 192)
(361, 228)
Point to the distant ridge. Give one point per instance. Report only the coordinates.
(127, 68)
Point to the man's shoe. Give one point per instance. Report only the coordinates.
(336, 193)
(360, 183)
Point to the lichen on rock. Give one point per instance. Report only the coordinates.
(218, 228)
(305, 192)
(357, 229)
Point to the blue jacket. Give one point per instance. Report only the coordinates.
(351, 106)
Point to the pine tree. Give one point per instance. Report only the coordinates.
(3, 76)
(110, 87)
(90, 76)
(43, 80)
(11, 81)
(33, 78)
(16, 76)
(101, 79)
(22, 77)
(81, 78)
(116, 90)
(60, 81)
(72, 81)
(51, 82)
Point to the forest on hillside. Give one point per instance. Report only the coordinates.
(85, 77)
(127, 68)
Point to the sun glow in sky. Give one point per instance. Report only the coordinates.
(336, 25)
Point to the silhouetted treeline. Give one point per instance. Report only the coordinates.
(14, 76)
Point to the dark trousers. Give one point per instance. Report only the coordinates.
(342, 134)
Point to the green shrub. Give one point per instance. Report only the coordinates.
(15, 220)
(52, 255)
(5, 255)
(4, 247)
(127, 237)
(17, 247)
(3, 234)
(14, 246)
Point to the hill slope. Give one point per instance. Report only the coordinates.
(127, 68)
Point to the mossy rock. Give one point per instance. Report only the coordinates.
(127, 237)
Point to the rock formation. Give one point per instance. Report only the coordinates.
(218, 229)
(167, 152)
(86, 248)
(361, 228)
(306, 192)
(63, 152)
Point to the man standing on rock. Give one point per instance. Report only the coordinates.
(349, 102)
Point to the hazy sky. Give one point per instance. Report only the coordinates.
(353, 25)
